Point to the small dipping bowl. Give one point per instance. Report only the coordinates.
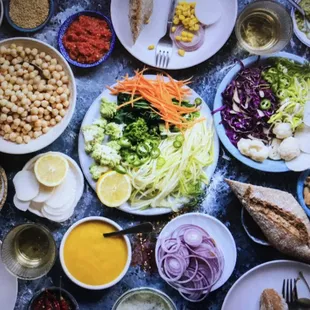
(3, 186)
(56, 291)
(29, 30)
(29, 251)
(300, 190)
(63, 29)
(147, 292)
(62, 258)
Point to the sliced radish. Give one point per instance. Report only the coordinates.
(307, 114)
(300, 163)
(63, 192)
(44, 193)
(21, 205)
(197, 41)
(26, 185)
(58, 218)
(303, 137)
(37, 206)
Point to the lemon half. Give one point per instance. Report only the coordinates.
(113, 189)
(51, 169)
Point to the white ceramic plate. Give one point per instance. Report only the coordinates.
(245, 293)
(299, 34)
(77, 172)
(217, 230)
(8, 288)
(216, 35)
(85, 160)
(56, 131)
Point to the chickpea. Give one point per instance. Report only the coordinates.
(34, 111)
(52, 82)
(47, 117)
(9, 119)
(56, 75)
(52, 99)
(55, 112)
(6, 136)
(24, 114)
(7, 128)
(59, 83)
(44, 103)
(26, 138)
(42, 55)
(40, 111)
(34, 118)
(30, 134)
(16, 121)
(52, 122)
(44, 65)
(38, 123)
(60, 90)
(59, 106)
(45, 129)
(58, 118)
(52, 68)
(14, 108)
(66, 103)
(41, 87)
(27, 50)
(5, 110)
(49, 87)
(3, 117)
(19, 140)
(30, 68)
(16, 87)
(37, 134)
(13, 136)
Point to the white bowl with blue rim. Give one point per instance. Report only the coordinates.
(267, 165)
(300, 190)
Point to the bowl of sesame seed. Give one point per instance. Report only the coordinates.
(29, 16)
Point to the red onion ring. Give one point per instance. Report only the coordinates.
(190, 261)
(197, 41)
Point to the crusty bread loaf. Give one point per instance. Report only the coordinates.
(140, 12)
(271, 300)
(280, 217)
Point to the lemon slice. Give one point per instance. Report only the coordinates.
(51, 169)
(113, 189)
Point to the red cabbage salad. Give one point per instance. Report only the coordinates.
(263, 112)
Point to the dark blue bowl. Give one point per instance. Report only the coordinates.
(28, 30)
(300, 190)
(64, 28)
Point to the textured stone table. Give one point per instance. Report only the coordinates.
(219, 201)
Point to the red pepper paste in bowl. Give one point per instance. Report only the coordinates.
(87, 39)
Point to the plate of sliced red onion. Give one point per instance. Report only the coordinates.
(195, 254)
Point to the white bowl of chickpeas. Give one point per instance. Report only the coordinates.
(37, 95)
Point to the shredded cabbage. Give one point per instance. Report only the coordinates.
(291, 83)
(177, 175)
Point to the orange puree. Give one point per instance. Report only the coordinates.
(91, 258)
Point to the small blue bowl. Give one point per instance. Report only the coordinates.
(268, 165)
(300, 190)
(66, 25)
(28, 30)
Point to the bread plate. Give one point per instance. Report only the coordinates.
(216, 35)
(85, 160)
(48, 138)
(267, 165)
(245, 293)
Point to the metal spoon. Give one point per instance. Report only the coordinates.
(141, 228)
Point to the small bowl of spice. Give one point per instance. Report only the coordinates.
(53, 298)
(29, 16)
(303, 191)
(86, 39)
(144, 298)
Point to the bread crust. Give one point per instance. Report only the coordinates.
(271, 300)
(280, 217)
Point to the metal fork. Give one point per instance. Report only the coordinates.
(164, 45)
(289, 291)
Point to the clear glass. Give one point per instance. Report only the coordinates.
(276, 20)
(29, 251)
(142, 290)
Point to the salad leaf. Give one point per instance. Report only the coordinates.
(290, 82)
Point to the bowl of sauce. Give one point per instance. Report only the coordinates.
(144, 298)
(90, 260)
(86, 39)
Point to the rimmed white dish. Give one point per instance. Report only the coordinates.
(93, 113)
(299, 34)
(1, 12)
(79, 178)
(216, 35)
(245, 293)
(8, 287)
(217, 230)
(46, 139)
(62, 260)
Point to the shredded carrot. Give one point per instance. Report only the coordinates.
(159, 93)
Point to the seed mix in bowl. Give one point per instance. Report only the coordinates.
(34, 93)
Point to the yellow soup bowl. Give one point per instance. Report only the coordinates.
(90, 260)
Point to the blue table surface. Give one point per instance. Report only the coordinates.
(219, 202)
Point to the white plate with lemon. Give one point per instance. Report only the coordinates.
(114, 189)
(215, 35)
(50, 185)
